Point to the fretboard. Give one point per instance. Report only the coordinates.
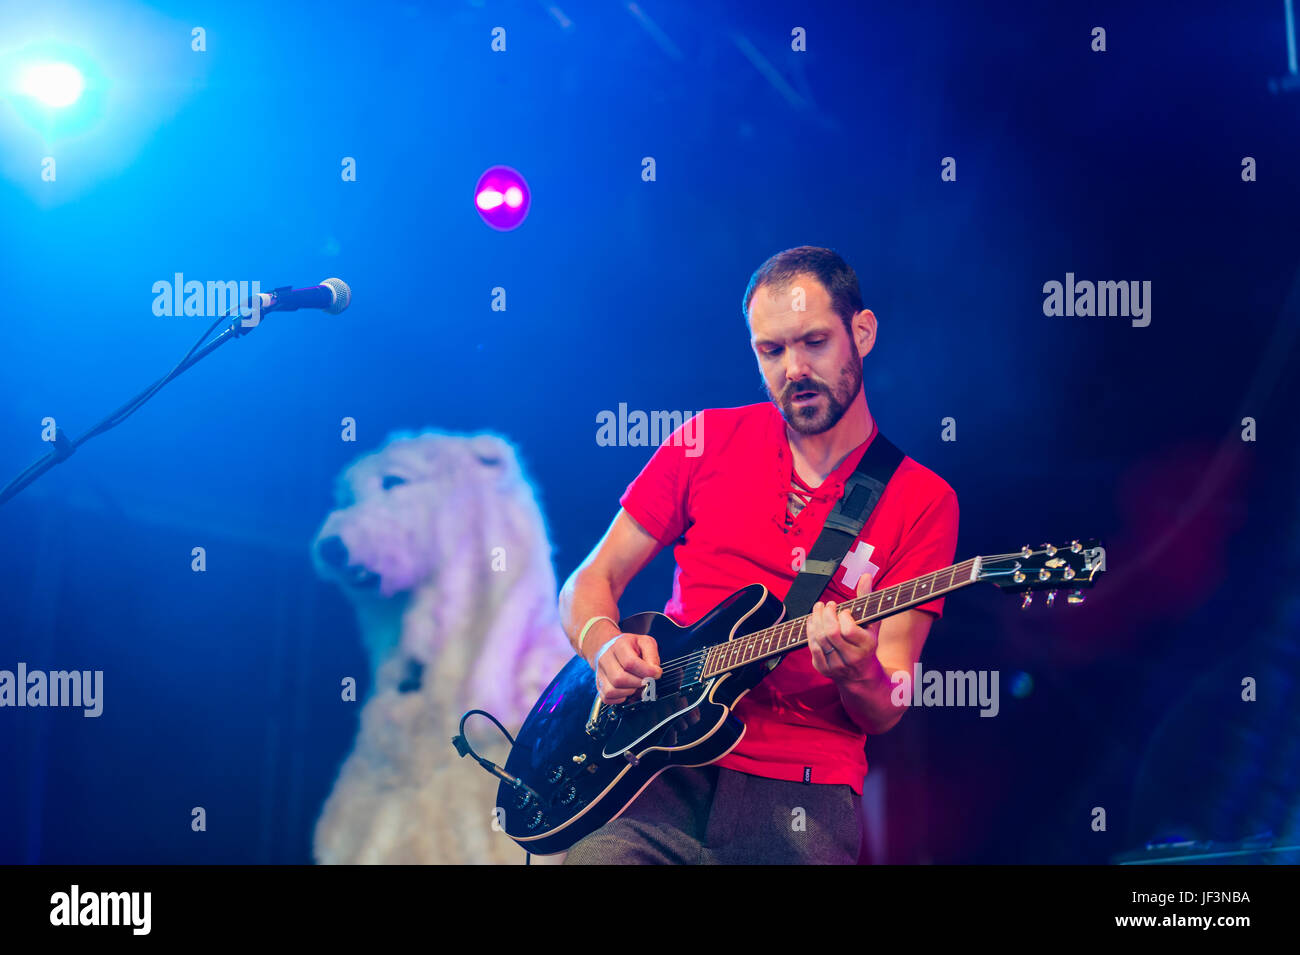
(789, 634)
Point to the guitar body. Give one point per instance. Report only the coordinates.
(586, 761)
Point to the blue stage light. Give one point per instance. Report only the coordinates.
(54, 84)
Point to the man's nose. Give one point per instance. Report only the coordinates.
(796, 368)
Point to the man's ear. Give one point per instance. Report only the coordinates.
(864, 331)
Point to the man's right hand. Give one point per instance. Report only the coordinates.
(623, 664)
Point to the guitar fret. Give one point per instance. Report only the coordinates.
(780, 638)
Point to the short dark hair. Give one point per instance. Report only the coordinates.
(834, 274)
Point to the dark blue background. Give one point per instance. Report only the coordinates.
(222, 688)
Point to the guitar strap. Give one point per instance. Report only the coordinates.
(862, 491)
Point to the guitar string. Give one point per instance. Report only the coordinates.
(694, 656)
(680, 665)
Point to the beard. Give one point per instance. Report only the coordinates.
(824, 413)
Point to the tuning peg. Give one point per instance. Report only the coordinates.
(1027, 600)
(1075, 597)
(1051, 597)
(1026, 552)
(1049, 550)
(1075, 547)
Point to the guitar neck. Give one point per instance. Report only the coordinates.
(790, 634)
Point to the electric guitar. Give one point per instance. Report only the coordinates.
(578, 762)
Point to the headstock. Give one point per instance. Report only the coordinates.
(1048, 567)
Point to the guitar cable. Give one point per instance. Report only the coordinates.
(461, 742)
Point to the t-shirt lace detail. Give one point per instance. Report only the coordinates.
(799, 496)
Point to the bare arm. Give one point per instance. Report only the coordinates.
(594, 590)
(869, 702)
(863, 660)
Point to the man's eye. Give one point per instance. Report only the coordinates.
(816, 341)
(772, 352)
(392, 480)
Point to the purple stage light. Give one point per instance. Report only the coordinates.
(502, 198)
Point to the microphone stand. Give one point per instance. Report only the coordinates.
(65, 446)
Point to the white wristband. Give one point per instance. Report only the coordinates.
(587, 626)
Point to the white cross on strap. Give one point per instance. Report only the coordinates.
(857, 562)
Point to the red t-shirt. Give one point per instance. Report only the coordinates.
(722, 499)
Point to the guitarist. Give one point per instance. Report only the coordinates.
(746, 507)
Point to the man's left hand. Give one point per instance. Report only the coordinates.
(842, 650)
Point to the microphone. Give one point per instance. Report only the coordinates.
(332, 295)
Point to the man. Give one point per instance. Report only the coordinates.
(747, 508)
